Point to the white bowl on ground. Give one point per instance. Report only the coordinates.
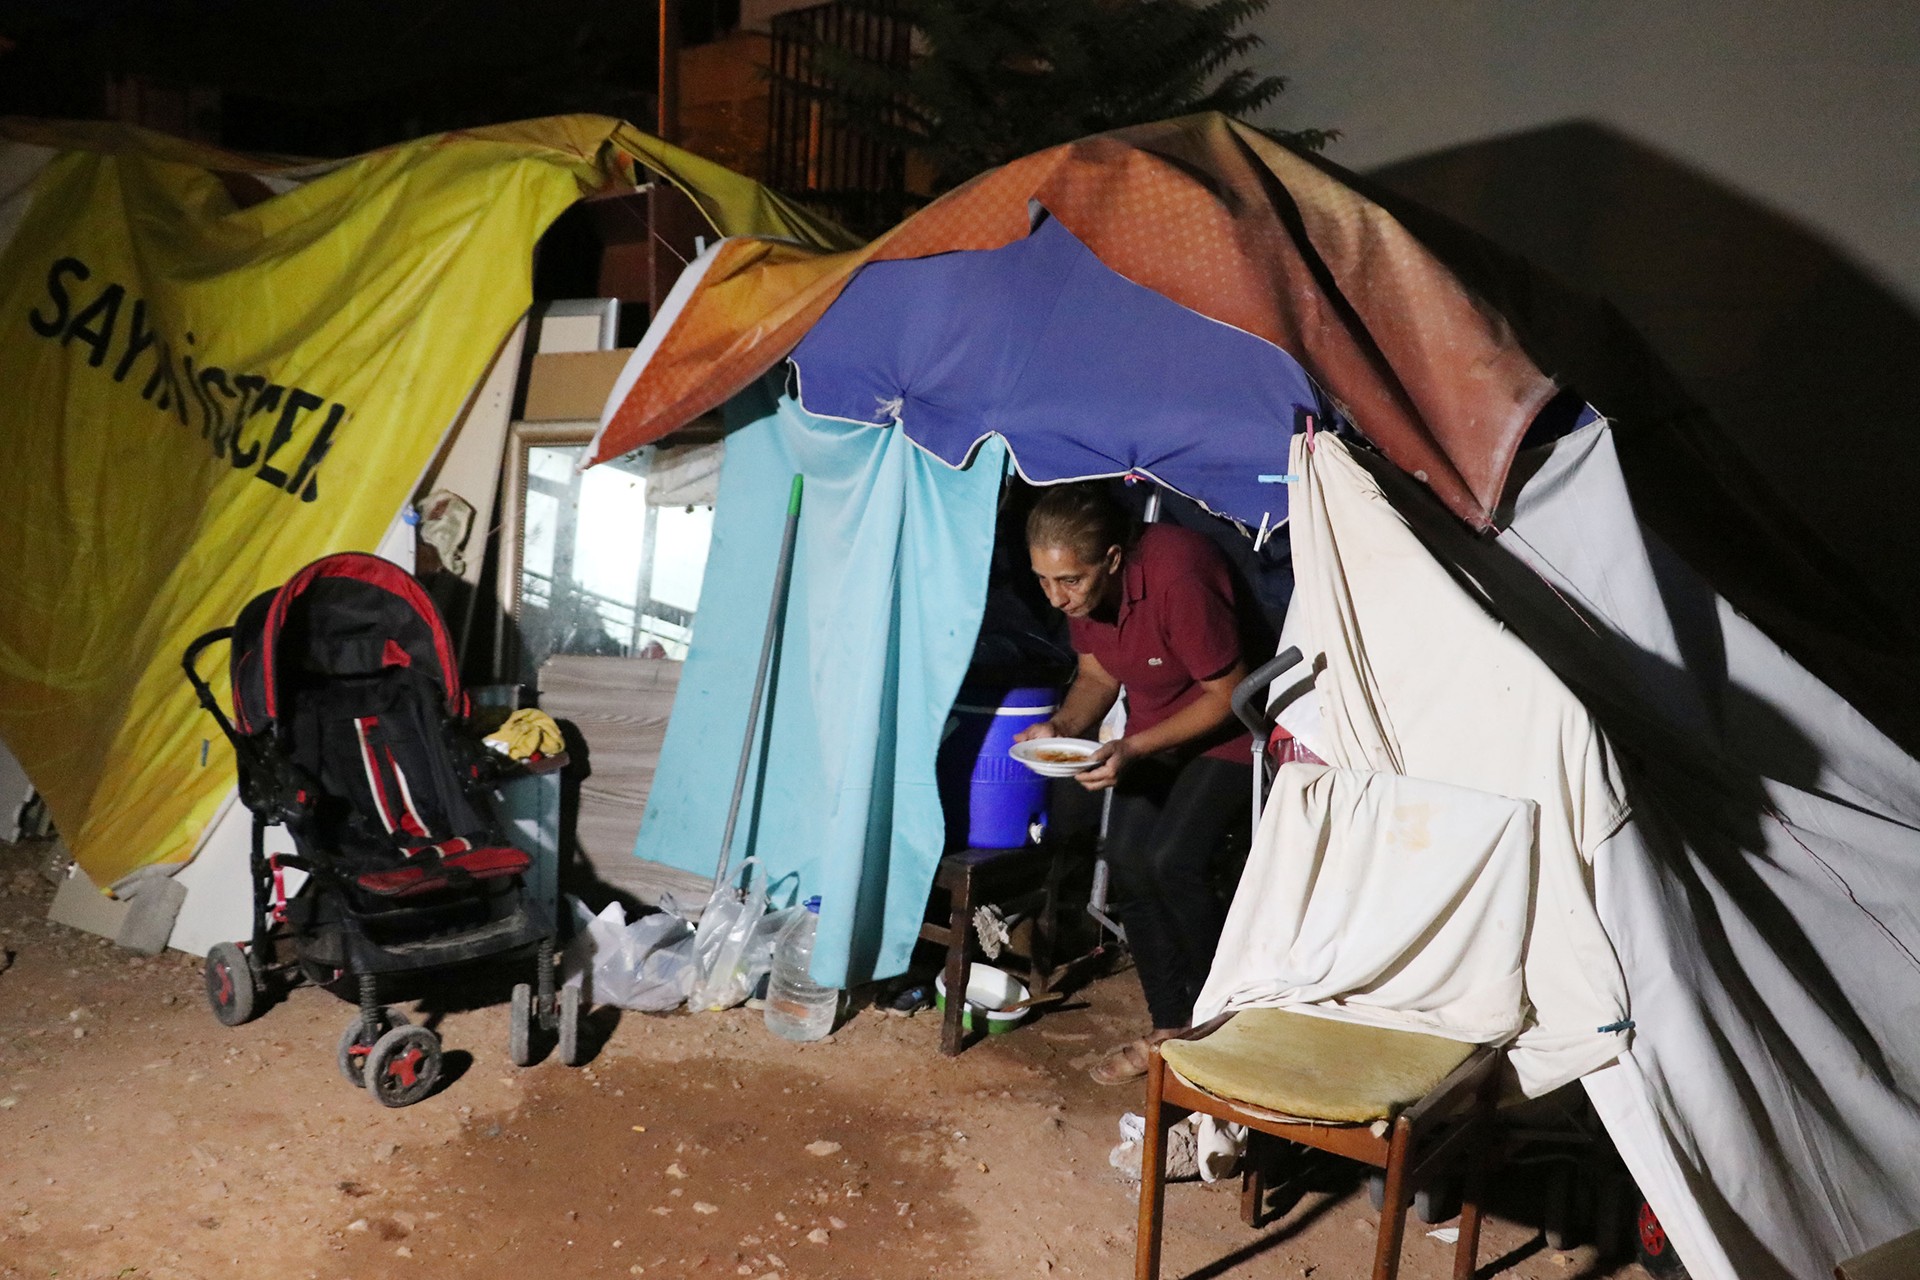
(990, 989)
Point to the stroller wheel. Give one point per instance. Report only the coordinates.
(1436, 1202)
(355, 1046)
(403, 1066)
(520, 1033)
(572, 1051)
(230, 989)
(1557, 1217)
(1656, 1254)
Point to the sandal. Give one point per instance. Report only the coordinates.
(1128, 1062)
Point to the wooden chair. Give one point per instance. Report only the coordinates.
(1406, 1103)
(1892, 1260)
(1011, 879)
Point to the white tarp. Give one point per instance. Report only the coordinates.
(1762, 901)
(1414, 678)
(1375, 898)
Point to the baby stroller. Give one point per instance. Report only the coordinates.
(349, 727)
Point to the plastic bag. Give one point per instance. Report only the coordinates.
(1197, 1146)
(766, 936)
(721, 944)
(647, 966)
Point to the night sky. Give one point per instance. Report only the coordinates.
(338, 77)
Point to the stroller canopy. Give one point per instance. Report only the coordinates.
(343, 615)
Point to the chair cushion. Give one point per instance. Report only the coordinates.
(1316, 1068)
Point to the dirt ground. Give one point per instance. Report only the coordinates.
(139, 1138)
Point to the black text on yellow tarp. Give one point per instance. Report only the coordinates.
(246, 418)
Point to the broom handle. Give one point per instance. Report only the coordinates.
(760, 678)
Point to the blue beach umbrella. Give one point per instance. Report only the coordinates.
(1081, 371)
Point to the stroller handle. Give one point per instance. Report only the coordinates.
(189, 662)
(275, 789)
(1248, 703)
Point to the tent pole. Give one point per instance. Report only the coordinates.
(774, 611)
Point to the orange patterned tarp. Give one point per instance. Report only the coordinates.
(1206, 211)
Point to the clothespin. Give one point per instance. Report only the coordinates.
(1266, 531)
(1309, 418)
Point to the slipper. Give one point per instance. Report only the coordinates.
(1128, 1062)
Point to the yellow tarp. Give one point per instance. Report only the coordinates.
(204, 386)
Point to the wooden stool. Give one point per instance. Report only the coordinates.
(1006, 878)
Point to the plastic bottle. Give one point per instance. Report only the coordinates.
(798, 1008)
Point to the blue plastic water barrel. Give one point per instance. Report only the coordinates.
(991, 799)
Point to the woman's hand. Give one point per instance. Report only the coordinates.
(1045, 729)
(1113, 757)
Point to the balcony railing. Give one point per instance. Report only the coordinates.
(845, 174)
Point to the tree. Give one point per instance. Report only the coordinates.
(993, 80)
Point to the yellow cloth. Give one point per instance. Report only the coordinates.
(1316, 1068)
(527, 733)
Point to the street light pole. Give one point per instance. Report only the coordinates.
(668, 123)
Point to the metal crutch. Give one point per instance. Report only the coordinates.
(1250, 704)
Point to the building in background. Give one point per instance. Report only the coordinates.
(1738, 179)
(852, 178)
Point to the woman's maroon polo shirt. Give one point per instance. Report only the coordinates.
(1175, 624)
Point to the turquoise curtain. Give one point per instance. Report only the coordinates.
(889, 580)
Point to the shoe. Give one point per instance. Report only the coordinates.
(910, 1000)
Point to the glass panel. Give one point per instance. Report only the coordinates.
(601, 571)
(611, 531)
(543, 514)
(552, 464)
(681, 564)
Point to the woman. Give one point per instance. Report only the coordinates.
(1155, 614)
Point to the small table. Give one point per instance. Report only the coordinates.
(1011, 879)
